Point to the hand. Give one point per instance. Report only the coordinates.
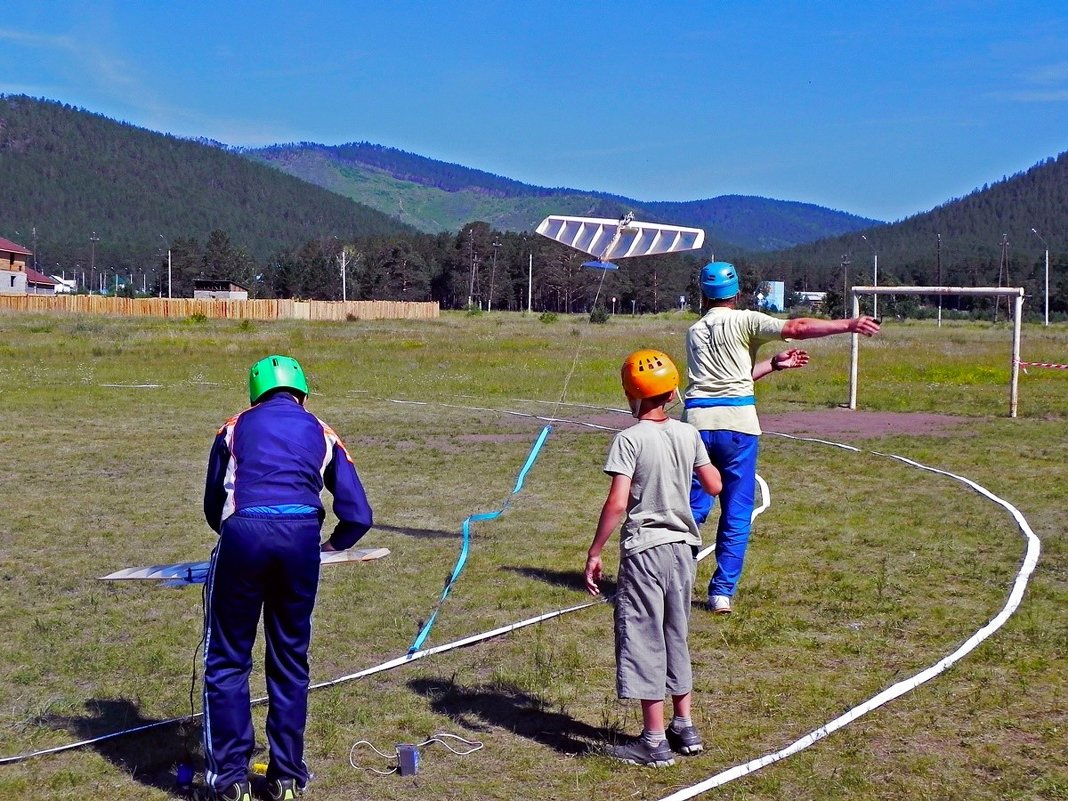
(868, 326)
(789, 359)
(593, 574)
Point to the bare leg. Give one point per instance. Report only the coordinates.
(653, 715)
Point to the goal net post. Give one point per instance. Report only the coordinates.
(1014, 292)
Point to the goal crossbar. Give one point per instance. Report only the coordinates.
(991, 291)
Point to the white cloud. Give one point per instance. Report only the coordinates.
(1049, 74)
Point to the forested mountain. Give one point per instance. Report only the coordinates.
(437, 196)
(81, 189)
(987, 238)
(73, 174)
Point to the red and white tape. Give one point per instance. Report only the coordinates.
(1025, 365)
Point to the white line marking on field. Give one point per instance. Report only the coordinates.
(1034, 546)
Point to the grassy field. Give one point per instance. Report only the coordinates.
(862, 572)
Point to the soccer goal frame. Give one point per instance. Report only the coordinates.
(998, 292)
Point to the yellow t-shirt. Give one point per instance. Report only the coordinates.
(721, 348)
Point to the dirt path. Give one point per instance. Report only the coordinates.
(843, 423)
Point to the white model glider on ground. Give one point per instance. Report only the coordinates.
(183, 574)
(618, 239)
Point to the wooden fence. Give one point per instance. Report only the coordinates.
(285, 309)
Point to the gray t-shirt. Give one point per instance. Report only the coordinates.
(659, 457)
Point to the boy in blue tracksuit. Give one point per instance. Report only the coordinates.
(266, 470)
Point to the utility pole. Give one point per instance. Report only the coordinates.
(530, 282)
(168, 265)
(1047, 246)
(845, 284)
(875, 275)
(92, 260)
(493, 272)
(1003, 273)
(342, 259)
(938, 260)
(471, 286)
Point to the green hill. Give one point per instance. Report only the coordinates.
(71, 173)
(436, 196)
(958, 243)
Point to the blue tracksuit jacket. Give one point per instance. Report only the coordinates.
(279, 454)
(266, 470)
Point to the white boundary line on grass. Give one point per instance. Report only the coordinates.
(900, 688)
(738, 771)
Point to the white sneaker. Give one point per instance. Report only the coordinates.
(720, 604)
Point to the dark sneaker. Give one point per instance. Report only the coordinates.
(639, 752)
(687, 741)
(238, 791)
(282, 789)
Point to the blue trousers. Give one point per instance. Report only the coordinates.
(270, 564)
(735, 456)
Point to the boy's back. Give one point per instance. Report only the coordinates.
(659, 457)
(651, 464)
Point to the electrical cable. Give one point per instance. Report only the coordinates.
(435, 738)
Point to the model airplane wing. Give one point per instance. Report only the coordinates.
(619, 239)
(182, 574)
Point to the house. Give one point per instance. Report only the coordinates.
(218, 289)
(65, 286)
(12, 268)
(39, 283)
(814, 300)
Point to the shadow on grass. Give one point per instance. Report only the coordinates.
(507, 707)
(418, 533)
(571, 579)
(149, 757)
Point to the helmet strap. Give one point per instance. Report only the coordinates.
(635, 406)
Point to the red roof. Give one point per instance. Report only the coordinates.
(34, 277)
(10, 247)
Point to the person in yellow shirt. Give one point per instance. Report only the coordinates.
(721, 356)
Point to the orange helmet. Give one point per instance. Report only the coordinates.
(648, 373)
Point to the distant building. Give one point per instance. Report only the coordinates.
(218, 289)
(775, 298)
(12, 268)
(813, 299)
(39, 283)
(65, 286)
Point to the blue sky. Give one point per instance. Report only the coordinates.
(879, 109)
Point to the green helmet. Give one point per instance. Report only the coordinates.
(275, 372)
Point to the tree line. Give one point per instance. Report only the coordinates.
(476, 267)
(482, 268)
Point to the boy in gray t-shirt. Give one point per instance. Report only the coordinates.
(651, 464)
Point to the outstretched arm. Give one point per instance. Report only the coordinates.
(814, 328)
(787, 360)
(615, 506)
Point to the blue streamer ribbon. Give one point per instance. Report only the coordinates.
(711, 403)
(466, 546)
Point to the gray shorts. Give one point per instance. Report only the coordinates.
(653, 622)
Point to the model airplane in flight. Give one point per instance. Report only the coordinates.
(618, 239)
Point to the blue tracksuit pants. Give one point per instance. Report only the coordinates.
(735, 456)
(268, 563)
